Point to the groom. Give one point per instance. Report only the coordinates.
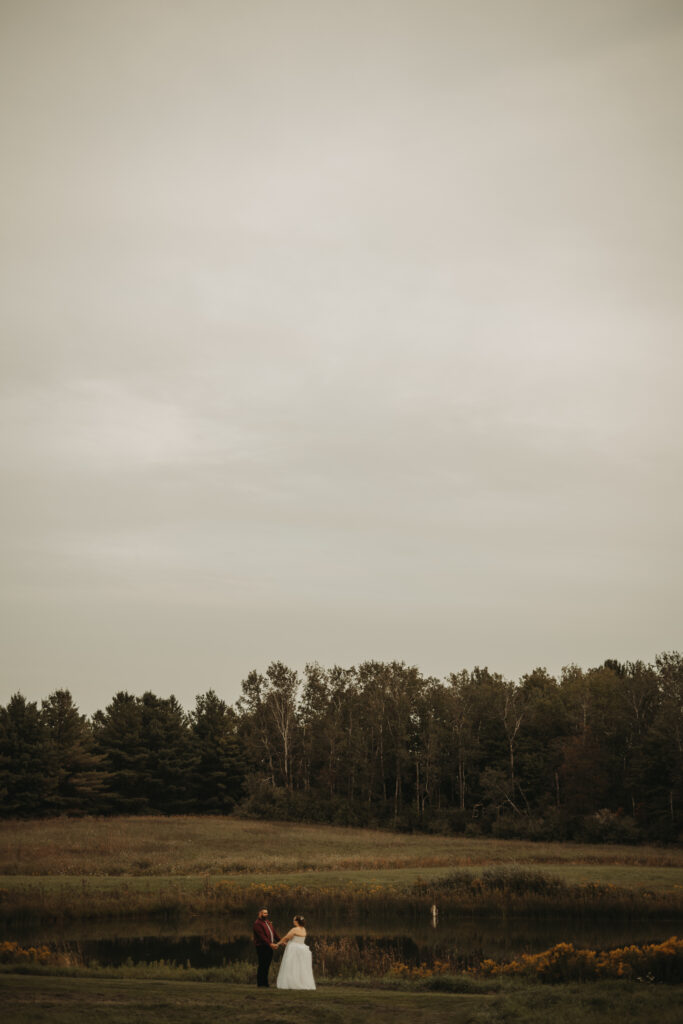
(265, 940)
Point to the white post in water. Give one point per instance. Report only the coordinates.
(435, 914)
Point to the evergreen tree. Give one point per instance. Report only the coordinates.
(145, 743)
(27, 761)
(79, 776)
(218, 767)
(118, 738)
(167, 765)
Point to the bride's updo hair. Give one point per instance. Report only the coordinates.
(299, 920)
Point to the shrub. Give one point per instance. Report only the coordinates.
(662, 962)
(13, 953)
(344, 957)
(447, 822)
(607, 827)
(542, 829)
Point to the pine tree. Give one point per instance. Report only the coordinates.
(118, 738)
(218, 767)
(168, 761)
(79, 776)
(27, 762)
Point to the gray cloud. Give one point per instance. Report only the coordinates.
(337, 331)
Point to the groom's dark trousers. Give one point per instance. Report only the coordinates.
(265, 956)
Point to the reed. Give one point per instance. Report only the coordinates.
(346, 958)
(491, 893)
(537, 893)
(660, 963)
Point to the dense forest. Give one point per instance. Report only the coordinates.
(594, 755)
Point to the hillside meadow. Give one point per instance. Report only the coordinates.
(87, 867)
(224, 845)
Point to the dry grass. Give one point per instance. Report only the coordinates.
(197, 845)
(494, 892)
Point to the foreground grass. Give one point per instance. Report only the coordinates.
(68, 1000)
(200, 845)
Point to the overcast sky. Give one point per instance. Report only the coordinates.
(338, 330)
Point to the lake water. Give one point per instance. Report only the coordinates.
(211, 941)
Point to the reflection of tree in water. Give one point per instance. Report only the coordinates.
(403, 946)
(197, 950)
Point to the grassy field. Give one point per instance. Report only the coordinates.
(655, 879)
(71, 1000)
(195, 845)
(116, 867)
(64, 869)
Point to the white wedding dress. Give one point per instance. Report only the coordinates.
(296, 969)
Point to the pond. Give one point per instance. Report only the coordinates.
(212, 941)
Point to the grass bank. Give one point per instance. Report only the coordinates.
(70, 1000)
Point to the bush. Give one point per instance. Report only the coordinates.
(263, 800)
(658, 962)
(544, 829)
(451, 822)
(13, 953)
(510, 881)
(606, 826)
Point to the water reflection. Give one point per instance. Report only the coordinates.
(211, 941)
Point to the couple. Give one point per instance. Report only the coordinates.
(296, 969)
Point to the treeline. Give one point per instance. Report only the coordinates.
(595, 754)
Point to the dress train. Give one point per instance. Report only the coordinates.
(296, 969)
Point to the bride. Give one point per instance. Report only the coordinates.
(296, 969)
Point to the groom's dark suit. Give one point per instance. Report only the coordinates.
(264, 934)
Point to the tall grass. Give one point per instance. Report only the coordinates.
(493, 893)
(654, 963)
(48, 959)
